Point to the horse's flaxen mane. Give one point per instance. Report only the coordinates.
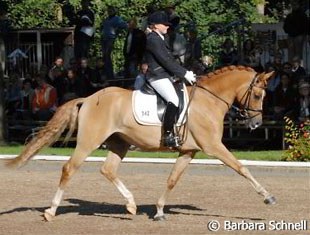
(225, 69)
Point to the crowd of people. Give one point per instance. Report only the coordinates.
(37, 96)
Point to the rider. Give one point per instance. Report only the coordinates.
(162, 67)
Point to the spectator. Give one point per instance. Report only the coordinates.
(57, 78)
(303, 108)
(298, 72)
(193, 54)
(287, 68)
(13, 94)
(295, 25)
(67, 52)
(284, 97)
(71, 90)
(176, 40)
(26, 102)
(5, 27)
(100, 75)
(133, 50)
(251, 55)
(140, 79)
(228, 54)
(150, 9)
(84, 30)
(110, 29)
(84, 79)
(44, 103)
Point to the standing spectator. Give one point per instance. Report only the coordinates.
(193, 54)
(84, 30)
(228, 54)
(110, 29)
(67, 52)
(251, 55)
(140, 79)
(133, 50)
(57, 78)
(150, 9)
(296, 26)
(44, 103)
(5, 27)
(84, 79)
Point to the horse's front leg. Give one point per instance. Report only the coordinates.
(178, 168)
(118, 150)
(221, 152)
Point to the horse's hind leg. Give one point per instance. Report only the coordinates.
(178, 168)
(118, 149)
(221, 152)
(68, 170)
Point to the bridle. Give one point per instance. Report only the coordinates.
(243, 111)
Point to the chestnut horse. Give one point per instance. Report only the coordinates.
(107, 117)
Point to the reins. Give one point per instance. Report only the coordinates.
(241, 112)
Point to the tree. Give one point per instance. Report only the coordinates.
(202, 13)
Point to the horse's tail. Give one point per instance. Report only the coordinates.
(65, 116)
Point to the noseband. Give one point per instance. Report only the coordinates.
(243, 111)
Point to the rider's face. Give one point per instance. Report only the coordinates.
(162, 28)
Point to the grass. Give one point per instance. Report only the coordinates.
(247, 155)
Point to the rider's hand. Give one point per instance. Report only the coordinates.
(190, 77)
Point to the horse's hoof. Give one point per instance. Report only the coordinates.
(48, 216)
(160, 218)
(270, 200)
(132, 209)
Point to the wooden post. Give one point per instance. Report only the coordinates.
(39, 50)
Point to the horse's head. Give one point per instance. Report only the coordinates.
(251, 100)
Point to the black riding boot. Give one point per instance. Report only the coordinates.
(169, 139)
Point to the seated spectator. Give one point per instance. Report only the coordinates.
(228, 54)
(26, 103)
(57, 78)
(44, 102)
(71, 92)
(140, 79)
(84, 80)
(287, 68)
(271, 87)
(298, 72)
(100, 80)
(13, 94)
(303, 108)
(284, 97)
(275, 82)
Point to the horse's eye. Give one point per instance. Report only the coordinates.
(257, 97)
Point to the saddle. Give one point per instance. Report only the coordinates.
(149, 106)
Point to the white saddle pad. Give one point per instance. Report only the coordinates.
(144, 108)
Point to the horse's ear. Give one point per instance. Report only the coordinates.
(264, 77)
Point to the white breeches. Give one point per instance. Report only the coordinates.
(166, 90)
